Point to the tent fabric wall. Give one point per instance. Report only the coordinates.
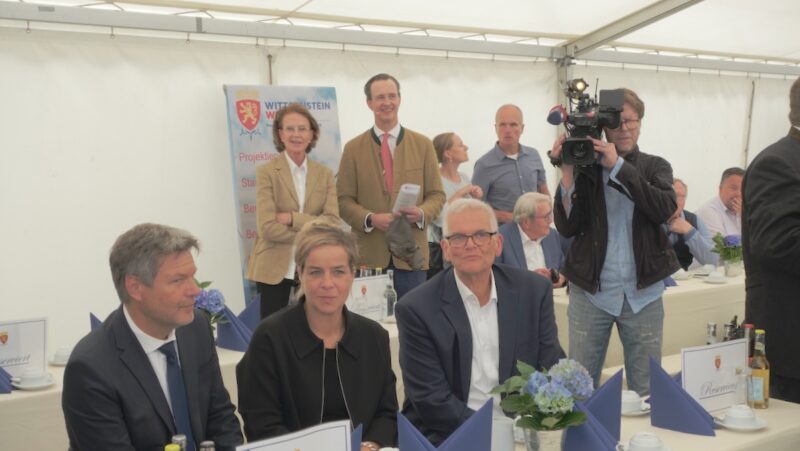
(98, 134)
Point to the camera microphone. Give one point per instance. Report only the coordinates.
(557, 115)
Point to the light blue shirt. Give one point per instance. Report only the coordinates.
(618, 276)
(699, 242)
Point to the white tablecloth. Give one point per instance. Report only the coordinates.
(687, 309)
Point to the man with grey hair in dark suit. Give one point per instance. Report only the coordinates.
(771, 245)
(150, 371)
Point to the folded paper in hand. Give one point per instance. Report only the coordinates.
(406, 197)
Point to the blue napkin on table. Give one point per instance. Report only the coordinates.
(670, 282)
(475, 433)
(355, 436)
(5, 381)
(672, 408)
(251, 315)
(94, 321)
(233, 334)
(601, 431)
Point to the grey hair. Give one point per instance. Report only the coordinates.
(460, 205)
(527, 203)
(140, 251)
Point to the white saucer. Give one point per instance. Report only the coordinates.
(33, 387)
(626, 447)
(758, 424)
(715, 282)
(637, 413)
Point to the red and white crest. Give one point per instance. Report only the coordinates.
(249, 113)
(3, 337)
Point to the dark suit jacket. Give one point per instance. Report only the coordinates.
(436, 343)
(514, 255)
(112, 399)
(771, 245)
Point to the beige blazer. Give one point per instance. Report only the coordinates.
(362, 189)
(272, 250)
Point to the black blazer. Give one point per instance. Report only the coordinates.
(436, 343)
(112, 398)
(280, 377)
(771, 245)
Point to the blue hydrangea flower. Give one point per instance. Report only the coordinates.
(573, 376)
(553, 398)
(211, 301)
(733, 240)
(536, 380)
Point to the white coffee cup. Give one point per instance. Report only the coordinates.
(34, 377)
(645, 441)
(62, 355)
(715, 276)
(740, 415)
(631, 401)
(707, 268)
(502, 434)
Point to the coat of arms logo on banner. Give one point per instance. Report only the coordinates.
(248, 110)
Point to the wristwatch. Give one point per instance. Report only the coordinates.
(369, 221)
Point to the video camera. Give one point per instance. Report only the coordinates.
(586, 118)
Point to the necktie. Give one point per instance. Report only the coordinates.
(177, 394)
(386, 157)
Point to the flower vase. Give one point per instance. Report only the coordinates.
(544, 440)
(734, 269)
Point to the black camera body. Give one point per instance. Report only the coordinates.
(587, 118)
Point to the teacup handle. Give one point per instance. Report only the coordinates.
(620, 446)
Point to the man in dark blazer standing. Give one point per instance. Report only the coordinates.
(771, 245)
(150, 371)
(528, 240)
(462, 332)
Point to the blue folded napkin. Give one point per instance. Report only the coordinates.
(601, 431)
(355, 437)
(5, 381)
(672, 408)
(94, 321)
(251, 315)
(233, 334)
(670, 282)
(475, 433)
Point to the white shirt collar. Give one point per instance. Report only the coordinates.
(466, 293)
(394, 132)
(527, 239)
(293, 166)
(148, 343)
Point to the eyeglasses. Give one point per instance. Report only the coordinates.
(301, 129)
(630, 124)
(479, 238)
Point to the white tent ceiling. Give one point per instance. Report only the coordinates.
(721, 31)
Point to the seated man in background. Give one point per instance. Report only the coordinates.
(462, 332)
(529, 242)
(150, 371)
(723, 213)
(688, 235)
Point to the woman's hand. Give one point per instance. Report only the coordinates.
(284, 218)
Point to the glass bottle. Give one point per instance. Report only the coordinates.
(759, 366)
(180, 440)
(711, 333)
(748, 335)
(207, 445)
(172, 447)
(390, 294)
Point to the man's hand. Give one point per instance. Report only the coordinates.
(381, 221)
(503, 216)
(475, 191)
(284, 218)
(544, 272)
(412, 214)
(607, 151)
(736, 205)
(561, 281)
(680, 225)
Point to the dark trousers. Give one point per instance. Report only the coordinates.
(274, 297)
(784, 388)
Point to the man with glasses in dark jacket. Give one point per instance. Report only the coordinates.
(620, 254)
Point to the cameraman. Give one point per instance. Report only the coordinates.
(620, 255)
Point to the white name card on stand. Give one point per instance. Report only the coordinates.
(366, 297)
(22, 345)
(709, 373)
(334, 436)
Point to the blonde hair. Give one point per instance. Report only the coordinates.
(324, 232)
